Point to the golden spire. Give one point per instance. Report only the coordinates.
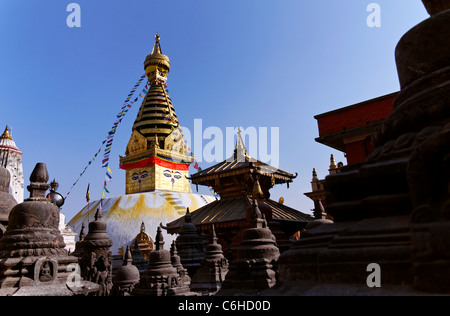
(156, 60)
(6, 134)
(157, 45)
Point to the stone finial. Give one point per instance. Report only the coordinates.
(38, 182)
(159, 239)
(256, 215)
(188, 216)
(127, 260)
(98, 215)
(319, 210)
(213, 235)
(82, 232)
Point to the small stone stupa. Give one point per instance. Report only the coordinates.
(96, 258)
(176, 262)
(213, 269)
(161, 278)
(33, 260)
(254, 269)
(126, 276)
(190, 245)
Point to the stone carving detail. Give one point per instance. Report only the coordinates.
(161, 278)
(96, 258)
(33, 260)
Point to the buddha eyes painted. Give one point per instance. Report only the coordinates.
(168, 173)
(138, 176)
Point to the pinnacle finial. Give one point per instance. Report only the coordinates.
(6, 134)
(240, 152)
(188, 216)
(38, 181)
(98, 214)
(157, 45)
(128, 257)
(159, 240)
(82, 232)
(214, 236)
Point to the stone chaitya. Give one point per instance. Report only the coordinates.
(95, 256)
(126, 276)
(190, 245)
(393, 209)
(161, 278)
(213, 269)
(176, 262)
(254, 269)
(33, 260)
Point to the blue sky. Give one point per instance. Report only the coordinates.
(242, 63)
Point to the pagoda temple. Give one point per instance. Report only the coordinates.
(237, 180)
(156, 164)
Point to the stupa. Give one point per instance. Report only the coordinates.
(254, 269)
(33, 260)
(95, 257)
(156, 164)
(125, 277)
(190, 245)
(161, 278)
(213, 269)
(393, 209)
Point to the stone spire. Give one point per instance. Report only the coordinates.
(161, 278)
(254, 269)
(126, 276)
(176, 262)
(190, 245)
(214, 267)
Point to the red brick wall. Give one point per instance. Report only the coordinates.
(354, 116)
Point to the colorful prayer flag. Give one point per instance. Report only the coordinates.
(88, 195)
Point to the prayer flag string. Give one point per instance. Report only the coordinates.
(109, 139)
(128, 103)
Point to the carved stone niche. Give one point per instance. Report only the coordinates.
(45, 270)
